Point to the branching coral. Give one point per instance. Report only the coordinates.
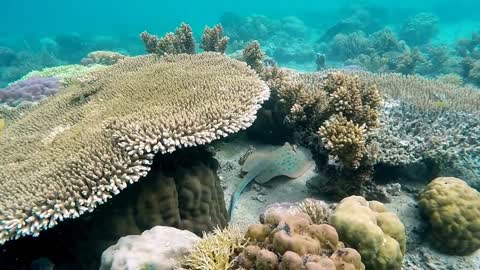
(216, 250)
(344, 139)
(213, 39)
(87, 143)
(253, 55)
(181, 41)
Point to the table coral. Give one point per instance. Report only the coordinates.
(371, 229)
(453, 211)
(90, 141)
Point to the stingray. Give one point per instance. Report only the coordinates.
(262, 166)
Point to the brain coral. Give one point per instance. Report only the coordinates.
(371, 229)
(453, 210)
(84, 145)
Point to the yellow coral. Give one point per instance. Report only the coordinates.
(453, 210)
(344, 139)
(216, 250)
(376, 233)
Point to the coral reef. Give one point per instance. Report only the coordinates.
(172, 43)
(371, 229)
(181, 190)
(7, 56)
(161, 248)
(344, 140)
(419, 29)
(216, 250)
(453, 211)
(89, 142)
(213, 39)
(102, 58)
(29, 90)
(253, 56)
(67, 74)
(347, 46)
(291, 241)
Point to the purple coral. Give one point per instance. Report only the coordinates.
(29, 90)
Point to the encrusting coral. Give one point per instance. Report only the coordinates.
(181, 41)
(213, 39)
(370, 228)
(29, 90)
(87, 143)
(453, 211)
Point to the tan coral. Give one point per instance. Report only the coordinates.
(377, 234)
(105, 57)
(453, 210)
(137, 108)
(181, 41)
(213, 39)
(345, 140)
(300, 244)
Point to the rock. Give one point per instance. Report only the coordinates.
(160, 248)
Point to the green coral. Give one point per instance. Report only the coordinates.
(370, 228)
(453, 211)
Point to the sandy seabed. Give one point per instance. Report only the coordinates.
(252, 202)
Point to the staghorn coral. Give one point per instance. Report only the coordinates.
(344, 139)
(213, 39)
(253, 55)
(29, 90)
(102, 58)
(216, 250)
(87, 144)
(371, 229)
(289, 240)
(453, 211)
(172, 43)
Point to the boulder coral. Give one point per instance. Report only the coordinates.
(376, 233)
(290, 240)
(453, 210)
(89, 142)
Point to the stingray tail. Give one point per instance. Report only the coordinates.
(238, 191)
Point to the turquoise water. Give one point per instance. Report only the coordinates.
(426, 126)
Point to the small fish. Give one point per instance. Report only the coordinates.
(262, 166)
